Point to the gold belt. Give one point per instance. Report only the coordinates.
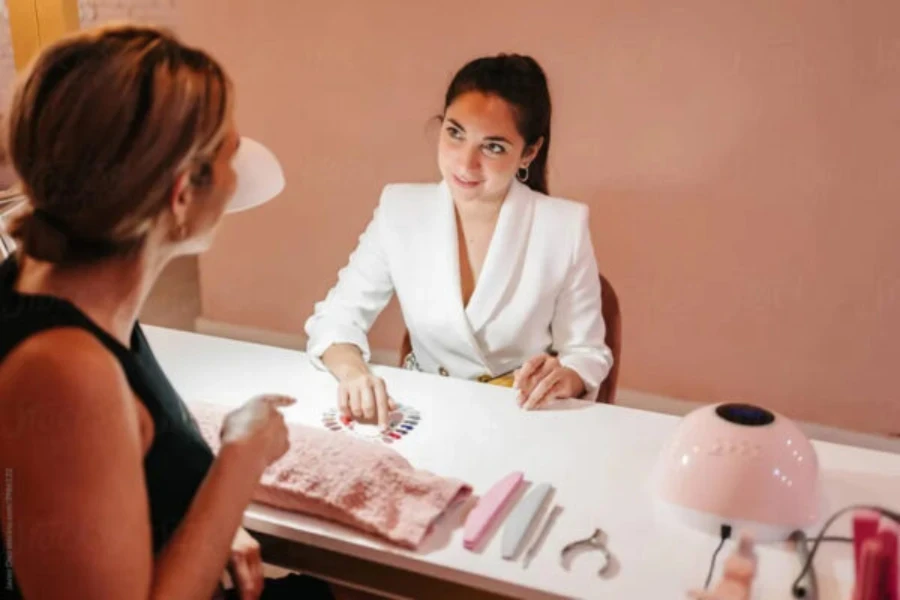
(505, 380)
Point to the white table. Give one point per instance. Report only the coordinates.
(598, 458)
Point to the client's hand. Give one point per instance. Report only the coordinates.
(258, 427)
(363, 396)
(543, 378)
(245, 566)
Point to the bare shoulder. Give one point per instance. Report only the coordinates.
(70, 439)
(63, 381)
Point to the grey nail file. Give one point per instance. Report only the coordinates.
(520, 520)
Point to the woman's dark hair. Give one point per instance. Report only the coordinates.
(520, 81)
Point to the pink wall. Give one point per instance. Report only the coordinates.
(740, 160)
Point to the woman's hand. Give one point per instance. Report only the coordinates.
(258, 427)
(245, 566)
(363, 396)
(542, 378)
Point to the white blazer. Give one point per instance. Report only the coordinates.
(538, 290)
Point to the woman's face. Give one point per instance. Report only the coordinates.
(210, 199)
(480, 148)
(224, 177)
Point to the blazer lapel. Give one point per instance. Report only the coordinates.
(447, 245)
(503, 258)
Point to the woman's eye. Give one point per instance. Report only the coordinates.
(455, 133)
(495, 149)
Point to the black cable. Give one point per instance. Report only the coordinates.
(810, 585)
(809, 588)
(724, 533)
(798, 590)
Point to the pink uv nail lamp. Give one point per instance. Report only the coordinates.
(743, 466)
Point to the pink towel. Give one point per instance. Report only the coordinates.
(359, 483)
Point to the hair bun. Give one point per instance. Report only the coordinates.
(40, 236)
(46, 237)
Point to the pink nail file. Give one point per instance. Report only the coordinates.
(488, 507)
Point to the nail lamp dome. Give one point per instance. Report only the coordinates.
(740, 465)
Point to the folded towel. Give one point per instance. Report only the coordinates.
(359, 483)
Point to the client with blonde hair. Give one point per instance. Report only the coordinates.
(123, 140)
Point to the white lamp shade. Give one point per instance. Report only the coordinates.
(259, 176)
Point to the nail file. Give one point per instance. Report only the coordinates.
(488, 507)
(521, 518)
(535, 546)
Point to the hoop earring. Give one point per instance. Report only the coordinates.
(522, 174)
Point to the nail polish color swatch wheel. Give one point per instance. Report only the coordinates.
(401, 423)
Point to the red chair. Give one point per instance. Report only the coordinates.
(612, 316)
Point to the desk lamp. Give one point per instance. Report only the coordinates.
(259, 179)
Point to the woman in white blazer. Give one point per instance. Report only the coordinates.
(494, 277)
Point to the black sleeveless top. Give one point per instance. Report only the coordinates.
(178, 457)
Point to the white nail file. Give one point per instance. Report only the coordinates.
(520, 520)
